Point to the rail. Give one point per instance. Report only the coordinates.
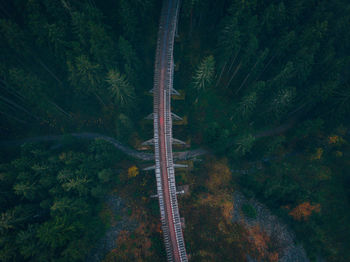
(163, 138)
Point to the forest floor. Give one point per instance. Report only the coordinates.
(135, 235)
(119, 220)
(274, 239)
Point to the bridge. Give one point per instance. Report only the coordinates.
(163, 137)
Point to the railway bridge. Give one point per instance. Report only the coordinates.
(163, 136)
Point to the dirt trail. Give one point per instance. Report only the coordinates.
(86, 135)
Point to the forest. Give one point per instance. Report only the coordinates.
(265, 89)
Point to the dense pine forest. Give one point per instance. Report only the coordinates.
(264, 88)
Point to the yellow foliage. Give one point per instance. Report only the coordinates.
(304, 210)
(220, 200)
(318, 154)
(133, 172)
(338, 154)
(219, 175)
(62, 156)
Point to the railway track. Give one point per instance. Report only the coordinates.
(163, 138)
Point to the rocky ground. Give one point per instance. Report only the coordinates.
(272, 238)
(281, 246)
(117, 208)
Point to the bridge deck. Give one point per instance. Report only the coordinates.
(164, 166)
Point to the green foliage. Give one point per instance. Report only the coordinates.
(50, 211)
(279, 90)
(205, 74)
(25, 189)
(244, 144)
(247, 105)
(84, 73)
(119, 87)
(59, 52)
(105, 175)
(26, 240)
(314, 175)
(263, 80)
(249, 211)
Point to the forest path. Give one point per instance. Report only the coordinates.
(185, 155)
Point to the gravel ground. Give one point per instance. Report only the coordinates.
(290, 252)
(108, 241)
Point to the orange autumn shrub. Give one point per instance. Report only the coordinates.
(273, 257)
(258, 239)
(335, 140)
(304, 210)
(221, 200)
(219, 175)
(226, 209)
(135, 245)
(261, 243)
